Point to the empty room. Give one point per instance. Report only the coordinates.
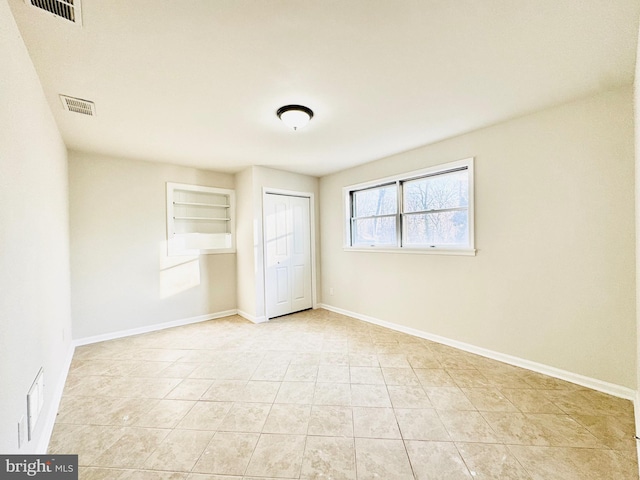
(319, 239)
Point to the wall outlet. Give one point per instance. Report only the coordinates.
(331, 291)
(22, 432)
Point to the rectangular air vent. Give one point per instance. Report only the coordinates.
(78, 105)
(67, 9)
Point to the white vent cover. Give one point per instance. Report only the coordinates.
(67, 9)
(78, 105)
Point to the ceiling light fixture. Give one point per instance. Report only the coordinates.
(295, 116)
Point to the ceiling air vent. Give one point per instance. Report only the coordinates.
(78, 105)
(67, 9)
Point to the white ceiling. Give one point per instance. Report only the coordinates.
(198, 82)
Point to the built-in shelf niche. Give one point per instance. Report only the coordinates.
(200, 219)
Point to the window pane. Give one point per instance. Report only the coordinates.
(444, 228)
(374, 231)
(375, 201)
(448, 190)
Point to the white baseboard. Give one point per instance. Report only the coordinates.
(52, 411)
(252, 318)
(593, 383)
(152, 328)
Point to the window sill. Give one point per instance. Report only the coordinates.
(467, 252)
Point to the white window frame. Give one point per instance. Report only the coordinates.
(395, 215)
(467, 164)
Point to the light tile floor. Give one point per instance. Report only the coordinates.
(317, 395)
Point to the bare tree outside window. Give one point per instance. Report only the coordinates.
(427, 209)
(374, 216)
(436, 210)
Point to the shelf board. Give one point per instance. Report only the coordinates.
(203, 218)
(195, 204)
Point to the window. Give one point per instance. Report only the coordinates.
(199, 219)
(374, 216)
(426, 210)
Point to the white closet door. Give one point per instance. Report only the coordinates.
(287, 240)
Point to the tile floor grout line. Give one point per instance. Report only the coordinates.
(338, 341)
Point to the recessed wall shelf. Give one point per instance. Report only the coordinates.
(200, 219)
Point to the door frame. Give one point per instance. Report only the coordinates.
(312, 238)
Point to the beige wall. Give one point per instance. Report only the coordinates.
(35, 322)
(251, 184)
(246, 268)
(636, 113)
(121, 276)
(553, 279)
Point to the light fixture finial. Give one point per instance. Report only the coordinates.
(295, 116)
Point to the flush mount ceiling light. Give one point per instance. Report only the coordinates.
(295, 116)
